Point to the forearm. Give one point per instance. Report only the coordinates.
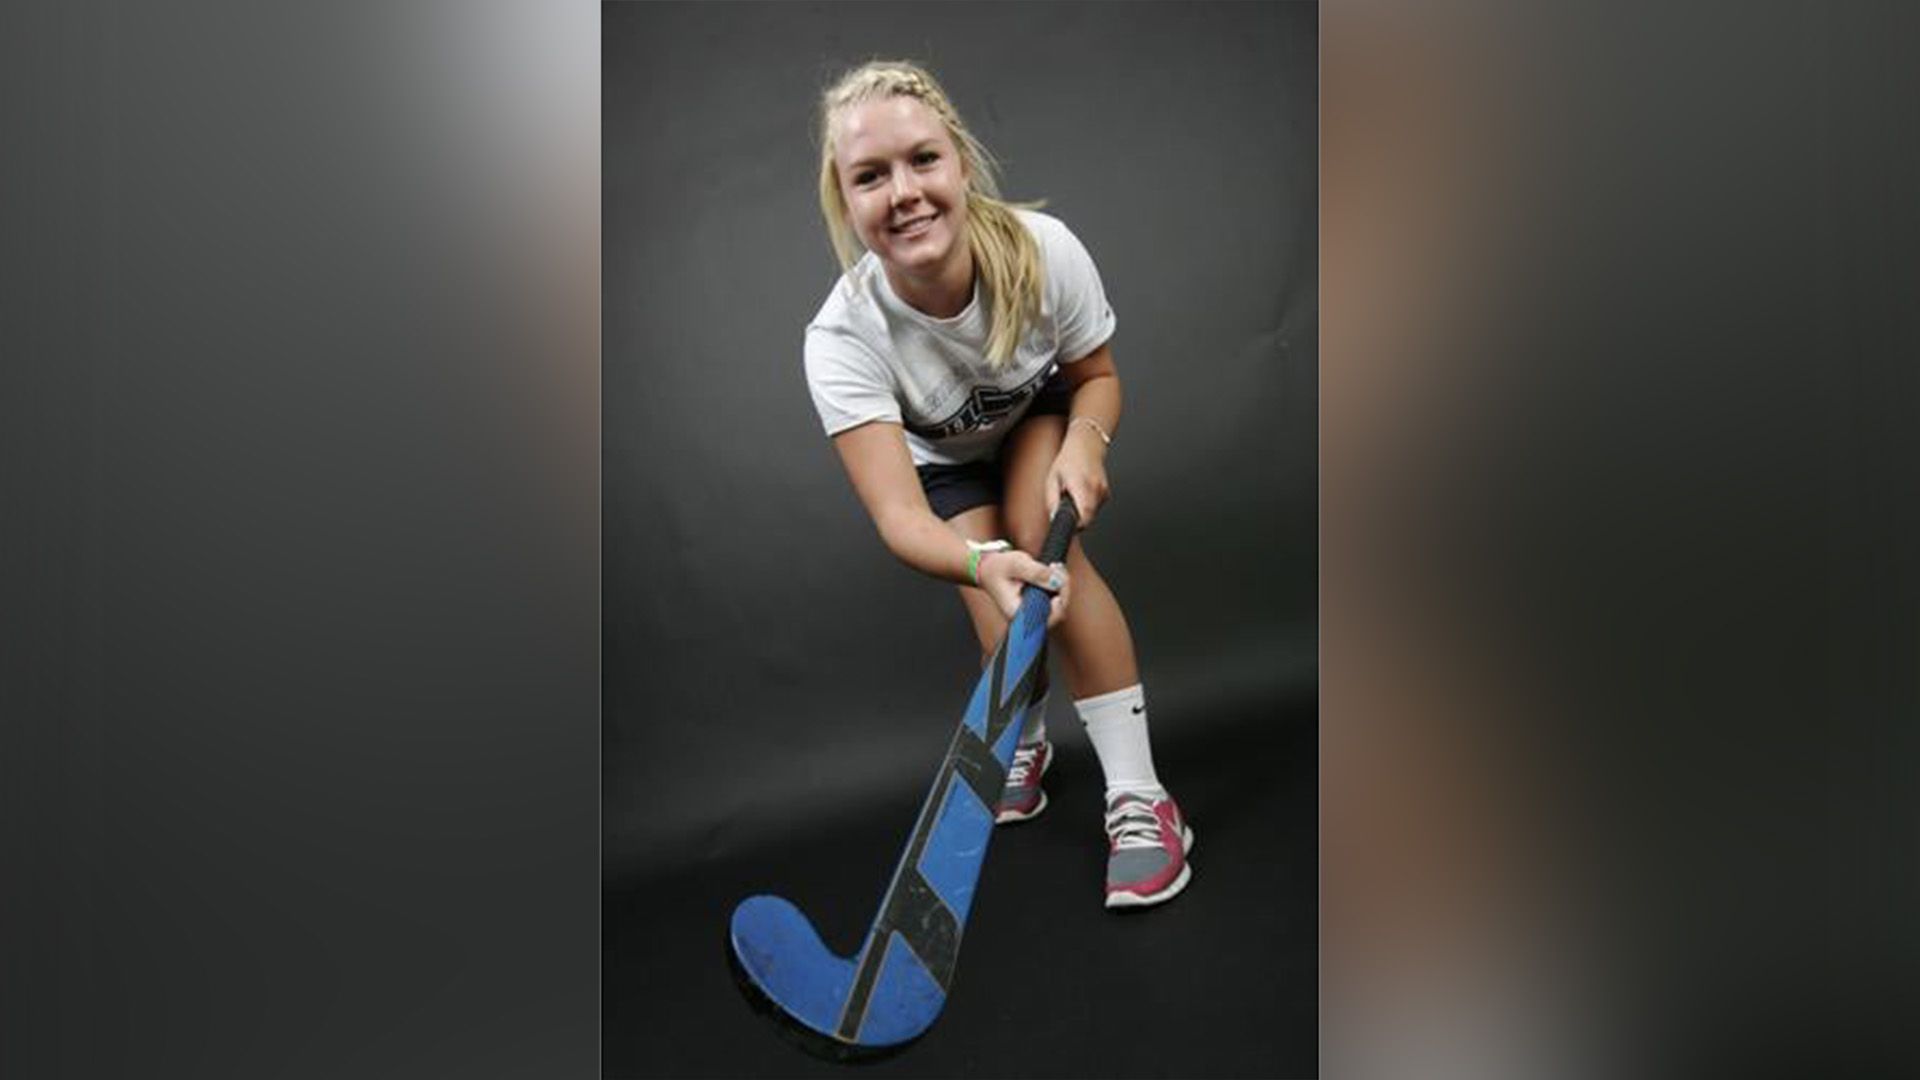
(1094, 415)
(922, 541)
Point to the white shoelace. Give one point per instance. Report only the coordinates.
(1131, 823)
(1023, 759)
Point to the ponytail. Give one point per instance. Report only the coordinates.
(1007, 260)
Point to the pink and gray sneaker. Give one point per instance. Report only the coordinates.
(1147, 845)
(1022, 798)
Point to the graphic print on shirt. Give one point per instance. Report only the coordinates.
(983, 407)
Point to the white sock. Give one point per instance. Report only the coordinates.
(1117, 727)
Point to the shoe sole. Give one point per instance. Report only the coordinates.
(1124, 900)
(1006, 817)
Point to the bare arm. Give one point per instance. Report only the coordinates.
(876, 459)
(1080, 468)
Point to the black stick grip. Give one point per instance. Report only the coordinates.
(1065, 520)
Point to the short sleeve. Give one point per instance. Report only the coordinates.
(1083, 320)
(850, 386)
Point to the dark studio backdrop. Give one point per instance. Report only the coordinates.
(778, 689)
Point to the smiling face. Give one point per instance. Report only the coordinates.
(904, 185)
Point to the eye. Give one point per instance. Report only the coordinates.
(865, 177)
(926, 157)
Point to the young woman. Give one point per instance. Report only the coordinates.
(961, 367)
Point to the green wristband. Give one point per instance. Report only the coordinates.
(977, 550)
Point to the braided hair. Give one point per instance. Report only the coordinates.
(1005, 255)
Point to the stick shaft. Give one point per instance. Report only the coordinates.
(926, 906)
(895, 987)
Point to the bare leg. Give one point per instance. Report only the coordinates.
(989, 626)
(1096, 647)
(1146, 835)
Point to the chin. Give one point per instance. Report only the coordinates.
(920, 259)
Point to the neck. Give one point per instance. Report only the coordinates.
(941, 292)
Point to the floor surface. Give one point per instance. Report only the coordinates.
(1221, 981)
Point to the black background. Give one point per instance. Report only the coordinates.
(778, 690)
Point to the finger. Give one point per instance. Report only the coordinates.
(1053, 578)
(1084, 502)
(1056, 611)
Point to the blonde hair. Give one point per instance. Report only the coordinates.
(1005, 255)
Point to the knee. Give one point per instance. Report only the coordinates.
(1027, 529)
(988, 634)
(989, 626)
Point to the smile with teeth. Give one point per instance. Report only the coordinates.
(914, 225)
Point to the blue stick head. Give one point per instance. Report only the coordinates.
(789, 976)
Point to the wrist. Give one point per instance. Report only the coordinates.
(1094, 434)
(977, 553)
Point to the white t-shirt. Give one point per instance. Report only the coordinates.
(869, 356)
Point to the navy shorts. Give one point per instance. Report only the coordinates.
(953, 490)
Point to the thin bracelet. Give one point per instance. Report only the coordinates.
(1105, 439)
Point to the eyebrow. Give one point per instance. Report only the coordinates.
(914, 149)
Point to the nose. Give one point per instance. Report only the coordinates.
(906, 187)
